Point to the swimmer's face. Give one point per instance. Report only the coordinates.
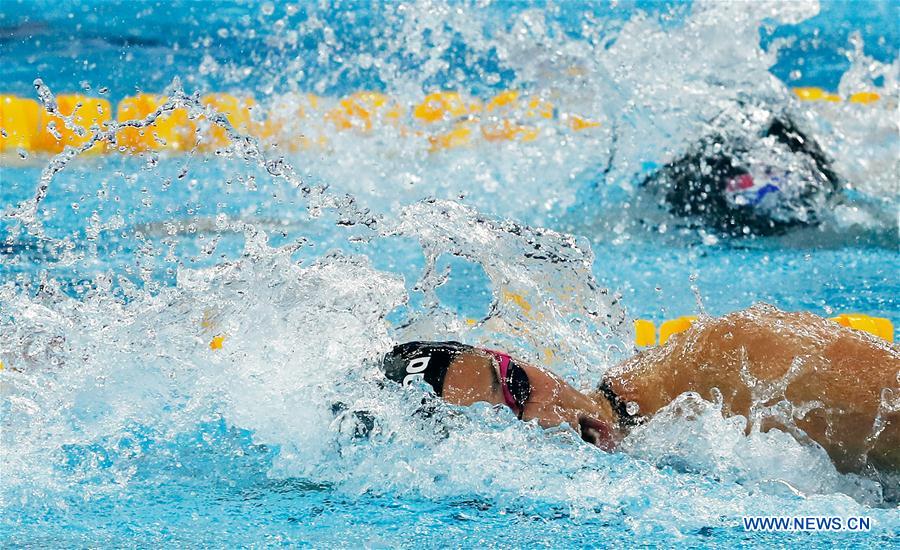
(552, 402)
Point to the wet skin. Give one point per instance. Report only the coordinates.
(837, 380)
(838, 387)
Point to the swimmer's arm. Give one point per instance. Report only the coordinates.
(472, 379)
(760, 343)
(762, 355)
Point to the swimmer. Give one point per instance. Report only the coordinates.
(756, 173)
(844, 385)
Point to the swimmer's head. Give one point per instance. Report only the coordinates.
(754, 172)
(421, 361)
(494, 377)
(395, 361)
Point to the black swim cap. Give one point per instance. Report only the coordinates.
(427, 361)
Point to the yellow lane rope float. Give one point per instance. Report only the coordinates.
(79, 113)
(645, 332)
(446, 119)
(362, 110)
(19, 123)
(173, 131)
(507, 116)
(818, 94)
(449, 116)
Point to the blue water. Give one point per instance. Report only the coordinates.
(122, 428)
(74, 42)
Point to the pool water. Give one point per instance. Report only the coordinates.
(178, 329)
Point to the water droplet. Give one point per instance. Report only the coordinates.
(51, 127)
(221, 221)
(710, 240)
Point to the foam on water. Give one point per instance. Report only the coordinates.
(153, 373)
(654, 83)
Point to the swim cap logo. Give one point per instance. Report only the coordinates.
(415, 370)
